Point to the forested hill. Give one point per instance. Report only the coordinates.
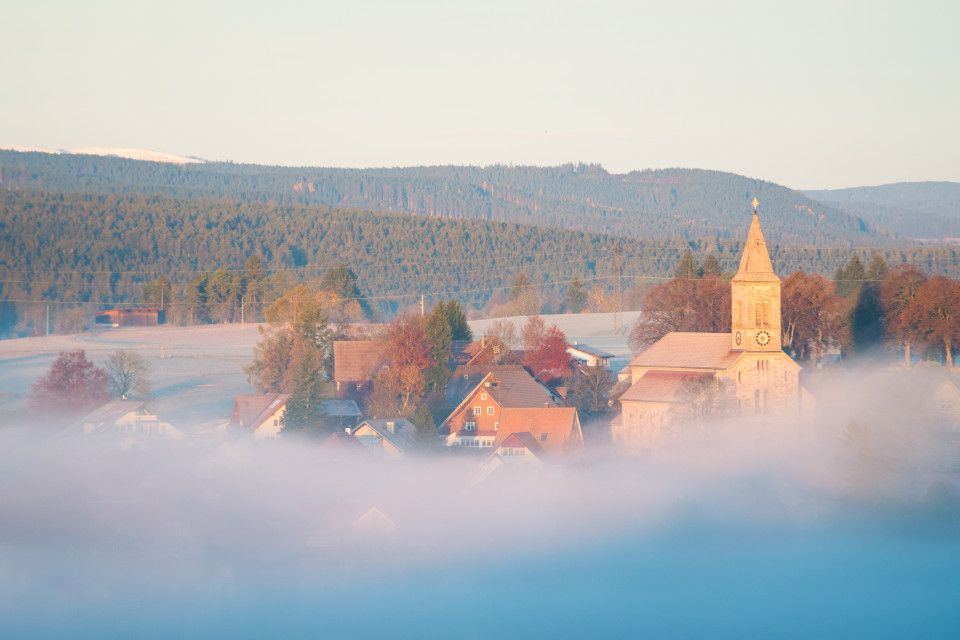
(920, 210)
(670, 203)
(96, 251)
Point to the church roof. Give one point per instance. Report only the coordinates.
(755, 265)
(660, 386)
(680, 350)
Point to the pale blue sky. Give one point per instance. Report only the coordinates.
(809, 94)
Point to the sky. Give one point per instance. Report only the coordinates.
(806, 94)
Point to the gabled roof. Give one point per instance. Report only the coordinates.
(680, 350)
(660, 386)
(356, 360)
(524, 440)
(111, 411)
(250, 411)
(340, 408)
(593, 351)
(466, 378)
(403, 431)
(755, 265)
(556, 429)
(342, 442)
(508, 386)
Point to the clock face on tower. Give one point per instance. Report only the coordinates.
(762, 338)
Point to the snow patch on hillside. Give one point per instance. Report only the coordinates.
(130, 154)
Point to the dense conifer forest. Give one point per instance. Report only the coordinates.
(671, 203)
(217, 242)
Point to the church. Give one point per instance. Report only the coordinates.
(746, 368)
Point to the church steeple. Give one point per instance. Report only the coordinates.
(755, 265)
(755, 295)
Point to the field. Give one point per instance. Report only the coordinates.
(197, 370)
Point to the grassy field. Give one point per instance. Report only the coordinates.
(198, 370)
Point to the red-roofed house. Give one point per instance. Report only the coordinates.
(748, 361)
(356, 363)
(260, 414)
(475, 421)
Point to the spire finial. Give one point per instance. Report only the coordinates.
(755, 203)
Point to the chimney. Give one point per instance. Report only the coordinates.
(391, 427)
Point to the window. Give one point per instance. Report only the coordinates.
(543, 437)
(762, 312)
(470, 426)
(483, 396)
(489, 411)
(476, 411)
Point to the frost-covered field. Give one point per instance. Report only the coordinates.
(198, 370)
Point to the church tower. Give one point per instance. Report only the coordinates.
(755, 296)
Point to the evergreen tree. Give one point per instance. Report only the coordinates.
(711, 267)
(688, 268)
(878, 269)
(426, 428)
(576, 296)
(456, 319)
(304, 412)
(851, 278)
(438, 336)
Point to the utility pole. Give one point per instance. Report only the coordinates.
(48, 319)
(241, 311)
(421, 306)
(618, 267)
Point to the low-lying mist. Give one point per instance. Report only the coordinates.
(762, 528)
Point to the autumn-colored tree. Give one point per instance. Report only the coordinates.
(897, 293)
(811, 314)
(504, 333)
(72, 385)
(297, 323)
(682, 305)
(545, 350)
(588, 389)
(935, 313)
(398, 389)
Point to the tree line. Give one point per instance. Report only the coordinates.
(862, 311)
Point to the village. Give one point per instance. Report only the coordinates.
(530, 398)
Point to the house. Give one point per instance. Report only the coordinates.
(485, 351)
(749, 370)
(588, 356)
(340, 445)
(138, 317)
(465, 379)
(475, 420)
(556, 430)
(128, 419)
(356, 363)
(260, 415)
(388, 439)
(520, 447)
(341, 413)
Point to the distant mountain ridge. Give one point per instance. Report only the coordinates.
(688, 204)
(919, 210)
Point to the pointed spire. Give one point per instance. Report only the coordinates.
(755, 265)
